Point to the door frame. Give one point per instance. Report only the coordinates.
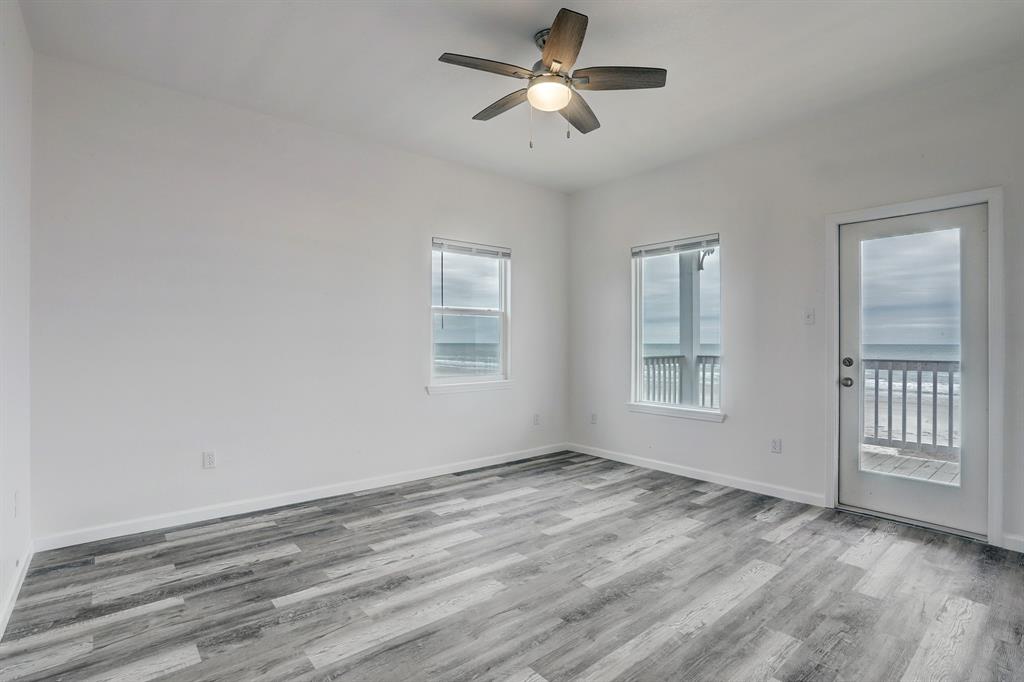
(993, 198)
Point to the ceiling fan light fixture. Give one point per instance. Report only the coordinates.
(548, 93)
(554, 82)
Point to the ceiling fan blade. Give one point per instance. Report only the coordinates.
(564, 40)
(507, 102)
(618, 78)
(488, 65)
(580, 115)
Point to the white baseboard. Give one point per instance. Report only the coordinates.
(7, 606)
(783, 492)
(158, 521)
(214, 511)
(1014, 542)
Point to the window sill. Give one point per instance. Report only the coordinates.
(678, 412)
(469, 386)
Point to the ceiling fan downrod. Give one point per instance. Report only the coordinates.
(540, 38)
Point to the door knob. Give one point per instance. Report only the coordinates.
(846, 381)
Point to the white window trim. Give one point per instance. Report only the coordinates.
(445, 385)
(678, 411)
(634, 404)
(470, 386)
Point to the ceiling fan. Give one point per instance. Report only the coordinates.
(553, 85)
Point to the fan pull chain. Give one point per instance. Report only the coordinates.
(531, 127)
(568, 128)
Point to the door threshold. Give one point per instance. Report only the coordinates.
(913, 522)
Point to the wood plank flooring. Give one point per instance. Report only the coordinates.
(563, 567)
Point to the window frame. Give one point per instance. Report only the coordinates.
(635, 402)
(502, 379)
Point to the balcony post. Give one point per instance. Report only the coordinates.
(689, 326)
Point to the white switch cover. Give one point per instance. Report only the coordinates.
(776, 446)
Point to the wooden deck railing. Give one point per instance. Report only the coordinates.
(906, 401)
(664, 380)
(709, 368)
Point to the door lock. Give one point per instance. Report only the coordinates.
(847, 362)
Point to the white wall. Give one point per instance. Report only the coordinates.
(15, 179)
(210, 278)
(769, 198)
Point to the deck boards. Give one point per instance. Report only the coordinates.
(878, 460)
(562, 567)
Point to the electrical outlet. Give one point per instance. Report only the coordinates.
(776, 446)
(536, 420)
(209, 460)
(593, 417)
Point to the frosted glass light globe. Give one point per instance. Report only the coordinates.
(548, 93)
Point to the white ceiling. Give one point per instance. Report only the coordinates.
(370, 68)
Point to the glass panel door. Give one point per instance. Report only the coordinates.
(914, 367)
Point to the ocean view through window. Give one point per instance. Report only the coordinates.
(910, 355)
(469, 311)
(677, 356)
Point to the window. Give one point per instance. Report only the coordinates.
(469, 310)
(677, 334)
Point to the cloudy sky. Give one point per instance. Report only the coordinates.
(910, 289)
(661, 300)
(469, 282)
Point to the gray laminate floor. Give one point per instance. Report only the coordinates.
(563, 567)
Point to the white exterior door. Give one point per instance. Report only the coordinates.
(913, 343)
